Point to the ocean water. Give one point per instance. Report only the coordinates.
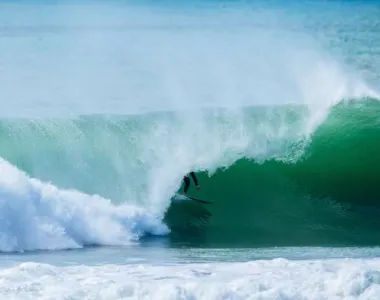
(106, 105)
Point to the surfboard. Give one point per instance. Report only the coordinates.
(182, 197)
(199, 200)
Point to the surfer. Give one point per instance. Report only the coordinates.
(186, 179)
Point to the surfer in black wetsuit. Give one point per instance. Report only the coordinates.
(186, 179)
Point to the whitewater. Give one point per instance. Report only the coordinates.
(107, 105)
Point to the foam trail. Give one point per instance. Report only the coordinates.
(278, 279)
(37, 215)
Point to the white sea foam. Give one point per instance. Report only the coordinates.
(266, 279)
(37, 215)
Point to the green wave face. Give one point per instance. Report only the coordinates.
(343, 158)
(329, 196)
(272, 179)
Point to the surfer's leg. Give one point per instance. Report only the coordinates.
(187, 184)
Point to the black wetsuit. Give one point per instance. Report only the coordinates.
(186, 179)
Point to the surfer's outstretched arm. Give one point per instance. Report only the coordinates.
(187, 184)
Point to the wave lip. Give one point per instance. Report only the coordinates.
(39, 216)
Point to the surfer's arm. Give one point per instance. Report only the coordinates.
(194, 179)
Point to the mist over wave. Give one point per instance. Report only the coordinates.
(79, 59)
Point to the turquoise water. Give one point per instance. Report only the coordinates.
(105, 106)
(159, 254)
